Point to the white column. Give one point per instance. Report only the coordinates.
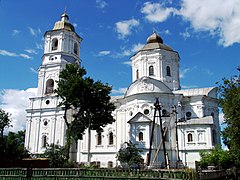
(37, 137)
(27, 136)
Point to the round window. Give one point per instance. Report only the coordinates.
(188, 114)
(146, 111)
(47, 102)
(45, 123)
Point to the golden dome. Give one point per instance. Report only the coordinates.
(154, 38)
(154, 41)
(64, 24)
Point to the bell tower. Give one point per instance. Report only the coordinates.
(62, 46)
(45, 124)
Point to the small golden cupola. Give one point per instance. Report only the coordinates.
(154, 38)
(154, 41)
(64, 24)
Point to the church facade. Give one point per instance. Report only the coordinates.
(184, 123)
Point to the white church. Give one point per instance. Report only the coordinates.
(184, 123)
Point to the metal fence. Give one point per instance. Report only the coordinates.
(93, 174)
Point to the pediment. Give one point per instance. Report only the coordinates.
(139, 118)
(147, 85)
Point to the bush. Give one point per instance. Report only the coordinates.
(57, 156)
(129, 156)
(216, 157)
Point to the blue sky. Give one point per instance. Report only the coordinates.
(205, 34)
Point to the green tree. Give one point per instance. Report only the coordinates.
(129, 155)
(229, 93)
(216, 157)
(4, 123)
(11, 144)
(57, 156)
(86, 103)
(14, 145)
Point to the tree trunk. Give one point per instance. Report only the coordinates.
(68, 136)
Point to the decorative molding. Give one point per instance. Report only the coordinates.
(144, 85)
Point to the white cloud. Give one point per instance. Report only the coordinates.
(183, 72)
(219, 17)
(101, 4)
(156, 12)
(207, 71)
(221, 118)
(25, 56)
(15, 103)
(34, 32)
(124, 28)
(119, 91)
(7, 53)
(129, 63)
(31, 51)
(188, 86)
(15, 32)
(39, 46)
(104, 53)
(135, 48)
(185, 34)
(166, 32)
(127, 52)
(33, 70)
(12, 54)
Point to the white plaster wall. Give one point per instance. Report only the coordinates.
(159, 59)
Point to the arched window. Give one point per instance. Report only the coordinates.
(99, 138)
(168, 71)
(54, 44)
(190, 137)
(140, 136)
(201, 137)
(110, 138)
(75, 48)
(151, 70)
(137, 74)
(110, 164)
(44, 141)
(49, 86)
